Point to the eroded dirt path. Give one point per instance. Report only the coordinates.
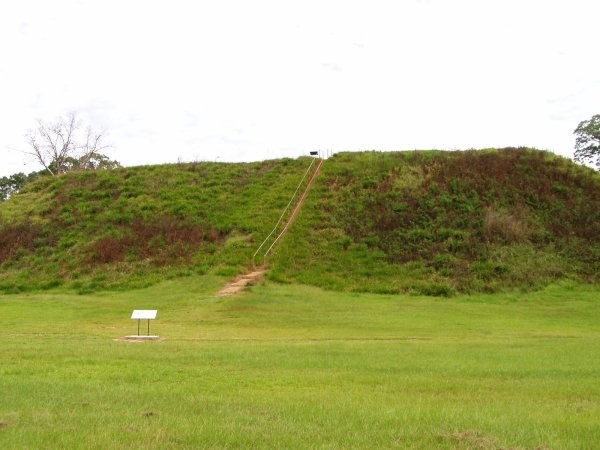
(242, 281)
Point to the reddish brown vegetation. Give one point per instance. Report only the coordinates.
(162, 240)
(17, 237)
(459, 204)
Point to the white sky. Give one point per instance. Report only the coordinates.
(234, 80)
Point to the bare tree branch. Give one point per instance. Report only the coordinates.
(62, 146)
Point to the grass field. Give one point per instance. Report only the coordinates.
(288, 366)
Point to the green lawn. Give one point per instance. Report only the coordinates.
(288, 366)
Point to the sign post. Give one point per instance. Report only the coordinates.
(144, 314)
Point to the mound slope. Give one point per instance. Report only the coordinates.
(134, 226)
(423, 222)
(440, 222)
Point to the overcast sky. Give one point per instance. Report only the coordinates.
(235, 80)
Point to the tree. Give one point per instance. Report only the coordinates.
(10, 185)
(64, 145)
(13, 184)
(587, 141)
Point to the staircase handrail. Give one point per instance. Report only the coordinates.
(299, 202)
(282, 214)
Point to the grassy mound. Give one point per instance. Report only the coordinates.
(436, 223)
(427, 222)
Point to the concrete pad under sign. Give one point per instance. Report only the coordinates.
(136, 337)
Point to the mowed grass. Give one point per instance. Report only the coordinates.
(289, 366)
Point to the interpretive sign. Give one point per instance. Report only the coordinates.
(144, 314)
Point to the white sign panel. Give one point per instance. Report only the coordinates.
(144, 314)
